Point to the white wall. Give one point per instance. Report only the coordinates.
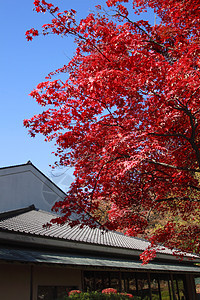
(24, 185)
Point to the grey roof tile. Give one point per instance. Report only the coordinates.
(31, 222)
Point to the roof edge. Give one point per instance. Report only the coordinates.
(12, 213)
(27, 240)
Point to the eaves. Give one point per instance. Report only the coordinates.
(27, 240)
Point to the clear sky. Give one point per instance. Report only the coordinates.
(23, 65)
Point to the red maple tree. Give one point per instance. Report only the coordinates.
(127, 117)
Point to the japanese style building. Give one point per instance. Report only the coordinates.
(42, 263)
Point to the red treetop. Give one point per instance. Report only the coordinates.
(127, 117)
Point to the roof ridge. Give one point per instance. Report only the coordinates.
(29, 163)
(53, 214)
(12, 213)
(17, 165)
(129, 236)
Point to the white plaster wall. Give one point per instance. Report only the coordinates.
(24, 185)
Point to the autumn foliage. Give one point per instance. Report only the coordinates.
(127, 117)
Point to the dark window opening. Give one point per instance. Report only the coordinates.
(197, 286)
(143, 286)
(129, 283)
(53, 292)
(179, 287)
(155, 287)
(152, 286)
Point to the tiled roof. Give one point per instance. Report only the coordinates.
(31, 222)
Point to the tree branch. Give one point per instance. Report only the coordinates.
(170, 135)
(177, 198)
(173, 167)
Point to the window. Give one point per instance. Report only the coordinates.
(179, 287)
(114, 281)
(155, 286)
(165, 287)
(128, 283)
(53, 292)
(89, 281)
(101, 280)
(46, 292)
(197, 284)
(143, 285)
(161, 287)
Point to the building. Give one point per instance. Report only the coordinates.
(42, 263)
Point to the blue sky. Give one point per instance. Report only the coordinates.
(23, 65)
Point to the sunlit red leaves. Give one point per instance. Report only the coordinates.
(147, 255)
(127, 119)
(43, 6)
(31, 33)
